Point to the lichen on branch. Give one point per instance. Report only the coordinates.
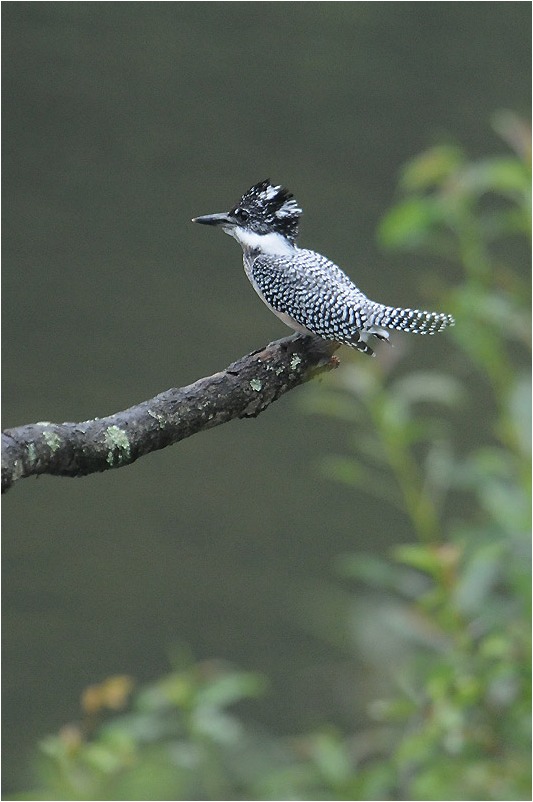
(243, 390)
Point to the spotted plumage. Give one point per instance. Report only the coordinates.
(303, 288)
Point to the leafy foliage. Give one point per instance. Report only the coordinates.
(462, 714)
(457, 723)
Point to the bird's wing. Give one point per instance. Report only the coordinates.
(314, 292)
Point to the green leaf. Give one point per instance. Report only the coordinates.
(431, 167)
(216, 725)
(477, 578)
(408, 224)
(426, 558)
(519, 412)
(379, 573)
(504, 175)
(229, 688)
(507, 504)
(330, 755)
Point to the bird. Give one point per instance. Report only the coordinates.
(306, 290)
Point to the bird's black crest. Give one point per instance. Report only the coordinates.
(267, 208)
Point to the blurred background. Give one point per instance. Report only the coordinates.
(121, 122)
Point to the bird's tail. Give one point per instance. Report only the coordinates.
(411, 320)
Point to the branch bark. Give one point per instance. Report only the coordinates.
(243, 390)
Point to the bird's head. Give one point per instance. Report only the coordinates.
(265, 209)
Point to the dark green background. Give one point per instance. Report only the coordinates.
(122, 121)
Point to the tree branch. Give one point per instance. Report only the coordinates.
(242, 390)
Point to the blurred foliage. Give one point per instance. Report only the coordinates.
(456, 600)
(178, 740)
(461, 591)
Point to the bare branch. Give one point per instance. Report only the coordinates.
(242, 390)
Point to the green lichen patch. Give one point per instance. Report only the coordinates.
(295, 361)
(256, 385)
(158, 417)
(118, 444)
(32, 453)
(52, 440)
(18, 470)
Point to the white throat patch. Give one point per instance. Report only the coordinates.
(272, 244)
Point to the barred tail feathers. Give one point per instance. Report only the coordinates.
(415, 321)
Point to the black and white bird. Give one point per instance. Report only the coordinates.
(304, 289)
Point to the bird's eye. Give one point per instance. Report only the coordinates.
(242, 214)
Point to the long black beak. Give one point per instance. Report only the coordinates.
(215, 219)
